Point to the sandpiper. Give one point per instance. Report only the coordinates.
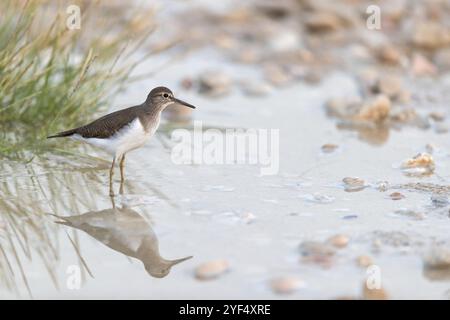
(125, 130)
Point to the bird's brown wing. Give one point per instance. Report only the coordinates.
(105, 126)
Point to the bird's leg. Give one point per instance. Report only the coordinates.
(113, 203)
(111, 172)
(122, 177)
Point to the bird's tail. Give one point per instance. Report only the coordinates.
(63, 134)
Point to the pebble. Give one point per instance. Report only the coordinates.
(214, 83)
(339, 240)
(322, 22)
(285, 41)
(389, 54)
(431, 35)
(275, 11)
(286, 284)
(317, 252)
(375, 110)
(350, 217)
(212, 269)
(389, 85)
(396, 196)
(256, 88)
(437, 116)
(422, 163)
(277, 76)
(329, 148)
(421, 66)
(353, 184)
(438, 257)
(364, 261)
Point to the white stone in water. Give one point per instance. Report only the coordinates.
(212, 269)
(247, 217)
(286, 284)
(382, 186)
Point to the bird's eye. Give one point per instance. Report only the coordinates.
(165, 95)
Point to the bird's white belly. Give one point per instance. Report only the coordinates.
(131, 137)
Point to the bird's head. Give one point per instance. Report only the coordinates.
(162, 97)
(162, 268)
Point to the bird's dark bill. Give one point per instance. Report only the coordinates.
(183, 103)
(177, 261)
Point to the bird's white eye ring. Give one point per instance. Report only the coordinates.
(165, 95)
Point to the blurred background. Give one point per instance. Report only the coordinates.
(358, 89)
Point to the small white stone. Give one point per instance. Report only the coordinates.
(248, 217)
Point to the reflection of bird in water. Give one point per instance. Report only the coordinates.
(126, 231)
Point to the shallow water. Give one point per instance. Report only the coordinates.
(196, 210)
(202, 210)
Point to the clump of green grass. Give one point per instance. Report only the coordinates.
(53, 78)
